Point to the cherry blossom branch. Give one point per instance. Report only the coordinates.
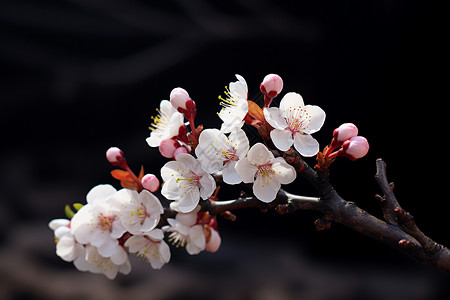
(398, 230)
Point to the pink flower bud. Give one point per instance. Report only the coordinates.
(271, 85)
(150, 182)
(167, 147)
(214, 241)
(344, 132)
(178, 98)
(180, 150)
(115, 156)
(355, 148)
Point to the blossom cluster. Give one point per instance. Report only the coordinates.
(99, 236)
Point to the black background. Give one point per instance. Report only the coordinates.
(81, 76)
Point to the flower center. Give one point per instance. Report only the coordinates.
(230, 99)
(177, 239)
(141, 213)
(160, 121)
(297, 119)
(229, 155)
(189, 182)
(105, 222)
(266, 173)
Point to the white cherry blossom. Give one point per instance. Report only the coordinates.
(186, 182)
(151, 247)
(166, 125)
(139, 212)
(92, 261)
(235, 105)
(98, 223)
(216, 152)
(265, 171)
(185, 232)
(66, 246)
(294, 123)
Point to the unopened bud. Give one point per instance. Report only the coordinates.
(150, 182)
(344, 132)
(167, 147)
(355, 148)
(271, 85)
(180, 150)
(340, 135)
(115, 156)
(214, 241)
(178, 98)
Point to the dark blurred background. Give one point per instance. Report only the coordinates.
(81, 76)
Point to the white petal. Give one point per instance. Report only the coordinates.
(238, 139)
(62, 231)
(54, 224)
(245, 170)
(175, 122)
(108, 247)
(230, 175)
(119, 256)
(239, 88)
(197, 240)
(259, 154)
(188, 219)
(170, 189)
(305, 144)
(189, 200)
(101, 191)
(208, 185)
(167, 108)
(169, 170)
(81, 224)
(274, 117)
(265, 188)
(289, 102)
(284, 172)
(135, 243)
(164, 251)
(190, 163)
(125, 268)
(228, 127)
(155, 234)
(209, 149)
(317, 119)
(282, 139)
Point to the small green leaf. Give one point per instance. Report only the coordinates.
(78, 206)
(69, 212)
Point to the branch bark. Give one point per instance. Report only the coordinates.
(398, 230)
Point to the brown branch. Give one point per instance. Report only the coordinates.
(398, 231)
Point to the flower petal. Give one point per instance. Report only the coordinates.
(238, 139)
(189, 200)
(274, 118)
(284, 172)
(101, 191)
(317, 119)
(289, 102)
(282, 139)
(209, 149)
(208, 185)
(230, 175)
(169, 170)
(245, 170)
(305, 144)
(266, 189)
(259, 154)
(170, 189)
